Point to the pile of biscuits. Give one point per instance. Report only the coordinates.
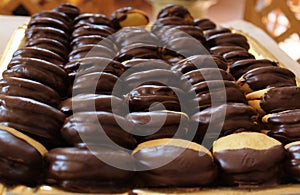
(91, 102)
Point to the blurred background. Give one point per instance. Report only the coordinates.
(278, 18)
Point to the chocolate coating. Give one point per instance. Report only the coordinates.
(140, 64)
(38, 70)
(233, 56)
(292, 162)
(240, 67)
(92, 40)
(228, 39)
(92, 102)
(20, 163)
(91, 29)
(91, 18)
(13, 86)
(48, 22)
(68, 168)
(221, 50)
(91, 51)
(33, 118)
(204, 23)
(215, 31)
(70, 10)
(168, 21)
(179, 11)
(55, 15)
(98, 128)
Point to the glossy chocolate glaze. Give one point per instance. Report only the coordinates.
(98, 128)
(72, 173)
(215, 31)
(39, 53)
(204, 23)
(240, 67)
(172, 10)
(38, 70)
(237, 55)
(49, 22)
(20, 162)
(92, 40)
(292, 162)
(217, 92)
(284, 126)
(91, 18)
(228, 39)
(49, 44)
(206, 74)
(141, 98)
(199, 62)
(69, 9)
(47, 32)
(95, 83)
(269, 76)
(280, 99)
(190, 168)
(140, 64)
(248, 166)
(91, 29)
(224, 119)
(36, 119)
(91, 51)
(92, 102)
(55, 15)
(221, 50)
(14, 86)
(168, 21)
(154, 125)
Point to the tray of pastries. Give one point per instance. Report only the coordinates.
(113, 105)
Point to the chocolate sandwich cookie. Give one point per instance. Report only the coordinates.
(206, 74)
(240, 67)
(228, 39)
(159, 124)
(292, 161)
(216, 92)
(38, 70)
(221, 50)
(14, 86)
(283, 126)
(255, 159)
(152, 77)
(92, 40)
(98, 128)
(223, 120)
(70, 10)
(95, 83)
(204, 23)
(91, 18)
(215, 31)
(168, 21)
(128, 16)
(55, 15)
(199, 62)
(179, 11)
(140, 64)
(265, 77)
(49, 44)
(35, 119)
(83, 170)
(92, 102)
(174, 163)
(47, 32)
(152, 97)
(22, 158)
(91, 29)
(233, 56)
(49, 22)
(275, 99)
(91, 51)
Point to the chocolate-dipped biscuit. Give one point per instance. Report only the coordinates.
(215, 31)
(128, 16)
(152, 97)
(265, 77)
(91, 51)
(92, 102)
(223, 120)
(98, 128)
(274, 99)
(35, 119)
(49, 44)
(254, 159)
(222, 49)
(86, 171)
(22, 158)
(206, 74)
(198, 62)
(204, 23)
(14, 86)
(240, 67)
(174, 163)
(49, 22)
(70, 10)
(39, 53)
(169, 21)
(92, 40)
(158, 124)
(38, 70)
(283, 126)
(233, 56)
(90, 29)
(55, 15)
(140, 64)
(292, 161)
(172, 10)
(91, 18)
(216, 92)
(228, 39)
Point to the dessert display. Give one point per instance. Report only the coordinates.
(91, 103)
